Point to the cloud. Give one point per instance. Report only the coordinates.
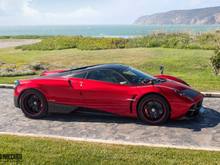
(27, 10)
(195, 2)
(33, 12)
(87, 11)
(7, 6)
(24, 11)
(85, 15)
(18, 7)
(79, 13)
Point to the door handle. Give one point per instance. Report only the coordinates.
(70, 83)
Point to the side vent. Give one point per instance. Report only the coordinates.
(132, 100)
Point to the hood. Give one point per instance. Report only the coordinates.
(180, 89)
(173, 85)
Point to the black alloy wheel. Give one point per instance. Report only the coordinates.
(153, 109)
(33, 104)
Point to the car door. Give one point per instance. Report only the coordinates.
(75, 82)
(66, 91)
(107, 90)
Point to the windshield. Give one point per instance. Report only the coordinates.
(135, 76)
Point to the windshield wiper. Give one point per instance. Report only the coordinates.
(152, 81)
(147, 81)
(158, 80)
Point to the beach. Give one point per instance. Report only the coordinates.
(5, 43)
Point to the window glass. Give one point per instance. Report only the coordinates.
(80, 75)
(135, 76)
(106, 75)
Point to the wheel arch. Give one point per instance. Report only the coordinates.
(27, 89)
(154, 93)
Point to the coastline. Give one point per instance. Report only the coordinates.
(118, 31)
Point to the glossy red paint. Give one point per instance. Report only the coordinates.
(108, 97)
(46, 73)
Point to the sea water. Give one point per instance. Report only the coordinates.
(104, 30)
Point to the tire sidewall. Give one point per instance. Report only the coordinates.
(42, 113)
(160, 99)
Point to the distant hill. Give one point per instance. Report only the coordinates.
(202, 16)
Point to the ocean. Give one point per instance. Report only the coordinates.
(104, 30)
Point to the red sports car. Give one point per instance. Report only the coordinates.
(111, 88)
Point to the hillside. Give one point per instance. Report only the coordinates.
(202, 16)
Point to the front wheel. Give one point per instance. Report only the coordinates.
(33, 104)
(153, 109)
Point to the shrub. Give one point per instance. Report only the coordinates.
(209, 41)
(52, 43)
(2, 63)
(215, 61)
(4, 37)
(136, 42)
(23, 37)
(38, 66)
(14, 73)
(193, 46)
(90, 43)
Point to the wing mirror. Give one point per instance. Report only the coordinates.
(161, 69)
(123, 82)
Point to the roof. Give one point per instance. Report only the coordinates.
(102, 66)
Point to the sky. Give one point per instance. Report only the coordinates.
(88, 12)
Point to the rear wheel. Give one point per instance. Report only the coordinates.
(33, 104)
(153, 109)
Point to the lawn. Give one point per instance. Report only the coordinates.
(190, 65)
(55, 151)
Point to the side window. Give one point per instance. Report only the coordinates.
(107, 76)
(80, 75)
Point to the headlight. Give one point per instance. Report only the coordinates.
(17, 83)
(187, 93)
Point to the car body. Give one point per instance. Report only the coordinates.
(111, 88)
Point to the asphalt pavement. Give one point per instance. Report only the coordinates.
(201, 132)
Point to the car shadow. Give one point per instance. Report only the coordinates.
(208, 119)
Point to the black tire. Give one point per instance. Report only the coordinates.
(153, 109)
(33, 104)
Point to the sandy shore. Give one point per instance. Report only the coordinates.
(5, 43)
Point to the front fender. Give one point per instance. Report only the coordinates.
(143, 91)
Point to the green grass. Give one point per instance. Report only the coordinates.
(190, 65)
(10, 80)
(54, 151)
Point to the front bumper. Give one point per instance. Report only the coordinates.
(194, 109)
(16, 102)
(183, 108)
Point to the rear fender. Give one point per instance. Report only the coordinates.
(22, 88)
(47, 73)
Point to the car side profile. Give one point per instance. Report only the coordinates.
(110, 88)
